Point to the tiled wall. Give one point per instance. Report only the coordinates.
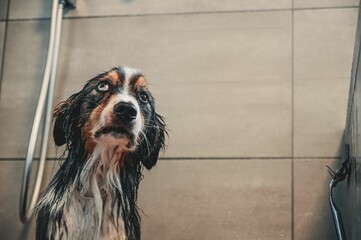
(254, 94)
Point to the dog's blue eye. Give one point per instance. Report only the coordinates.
(103, 87)
(143, 97)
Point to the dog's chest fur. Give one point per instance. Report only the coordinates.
(89, 207)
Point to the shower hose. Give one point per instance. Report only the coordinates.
(43, 113)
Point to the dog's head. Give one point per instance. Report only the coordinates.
(115, 110)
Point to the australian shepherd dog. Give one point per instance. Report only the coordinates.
(110, 130)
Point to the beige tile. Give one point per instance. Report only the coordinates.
(204, 199)
(11, 173)
(313, 217)
(2, 37)
(22, 75)
(324, 3)
(217, 199)
(222, 81)
(36, 8)
(3, 9)
(323, 49)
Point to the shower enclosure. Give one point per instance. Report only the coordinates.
(352, 165)
(254, 94)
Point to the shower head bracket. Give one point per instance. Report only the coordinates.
(70, 4)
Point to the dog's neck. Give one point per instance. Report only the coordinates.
(100, 180)
(94, 201)
(101, 172)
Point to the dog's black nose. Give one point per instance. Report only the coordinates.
(125, 111)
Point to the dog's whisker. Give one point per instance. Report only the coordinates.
(91, 101)
(147, 143)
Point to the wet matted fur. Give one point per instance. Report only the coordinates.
(111, 130)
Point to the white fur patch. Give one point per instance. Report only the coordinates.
(91, 212)
(129, 73)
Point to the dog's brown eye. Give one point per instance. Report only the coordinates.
(103, 87)
(143, 97)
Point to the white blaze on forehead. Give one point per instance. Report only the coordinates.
(129, 73)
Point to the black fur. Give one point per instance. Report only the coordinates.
(70, 117)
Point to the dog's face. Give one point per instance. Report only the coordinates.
(118, 104)
(115, 110)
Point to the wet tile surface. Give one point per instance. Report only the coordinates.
(12, 172)
(215, 199)
(3, 9)
(313, 218)
(40, 9)
(227, 106)
(2, 37)
(22, 74)
(324, 3)
(324, 42)
(225, 199)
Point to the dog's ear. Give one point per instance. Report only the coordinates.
(64, 117)
(59, 115)
(154, 142)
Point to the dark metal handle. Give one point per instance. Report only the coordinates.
(338, 176)
(336, 214)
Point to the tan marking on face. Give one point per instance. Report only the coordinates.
(113, 77)
(140, 82)
(89, 126)
(109, 116)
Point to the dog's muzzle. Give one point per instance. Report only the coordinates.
(124, 116)
(125, 112)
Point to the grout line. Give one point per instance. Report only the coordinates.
(155, 14)
(292, 124)
(321, 8)
(201, 158)
(4, 44)
(183, 13)
(249, 158)
(224, 158)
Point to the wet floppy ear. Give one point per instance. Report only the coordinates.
(64, 114)
(154, 142)
(59, 132)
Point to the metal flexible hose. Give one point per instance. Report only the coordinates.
(46, 97)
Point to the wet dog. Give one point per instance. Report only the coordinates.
(111, 130)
